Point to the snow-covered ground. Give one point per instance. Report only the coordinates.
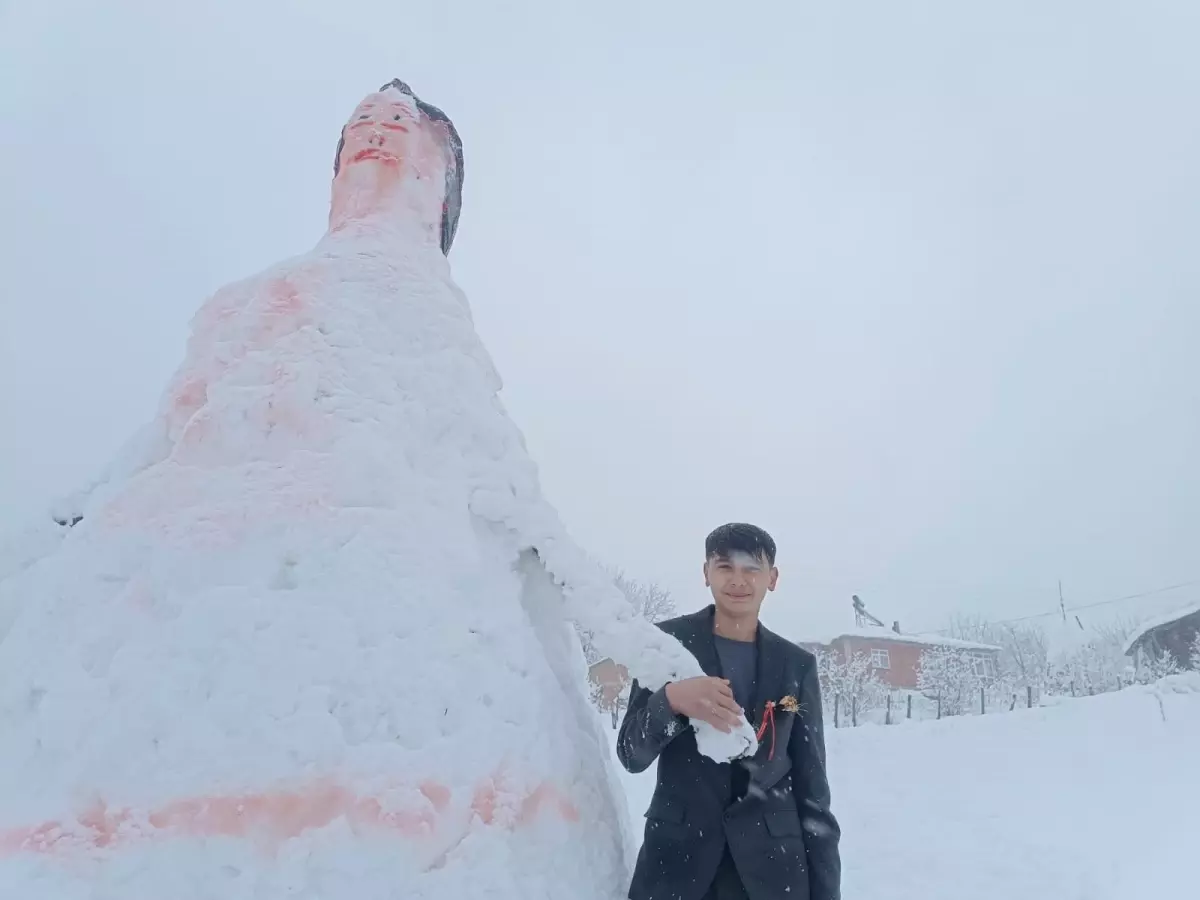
(1091, 799)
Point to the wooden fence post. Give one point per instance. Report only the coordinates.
(910, 706)
(1014, 703)
(888, 719)
(983, 701)
(854, 710)
(1029, 696)
(837, 698)
(939, 705)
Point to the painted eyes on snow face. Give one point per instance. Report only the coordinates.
(397, 117)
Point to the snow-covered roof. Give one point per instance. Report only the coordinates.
(886, 634)
(1158, 622)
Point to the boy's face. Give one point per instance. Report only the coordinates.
(739, 582)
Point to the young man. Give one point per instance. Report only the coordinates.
(754, 829)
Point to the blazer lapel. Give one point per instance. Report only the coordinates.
(769, 672)
(770, 677)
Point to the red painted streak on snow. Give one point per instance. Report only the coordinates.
(278, 309)
(280, 312)
(189, 396)
(546, 794)
(179, 513)
(276, 816)
(437, 794)
(283, 299)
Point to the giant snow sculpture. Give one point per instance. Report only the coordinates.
(310, 637)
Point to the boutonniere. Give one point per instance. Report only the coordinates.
(788, 704)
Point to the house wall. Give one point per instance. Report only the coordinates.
(904, 659)
(611, 678)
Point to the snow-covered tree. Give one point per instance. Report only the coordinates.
(1024, 650)
(1196, 652)
(1095, 666)
(948, 675)
(1159, 667)
(853, 682)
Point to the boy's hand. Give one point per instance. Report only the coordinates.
(708, 699)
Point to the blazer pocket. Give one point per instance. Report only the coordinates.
(669, 809)
(784, 823)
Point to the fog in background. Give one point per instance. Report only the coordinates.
(913, 286)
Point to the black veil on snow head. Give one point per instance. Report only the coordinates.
(452, 204)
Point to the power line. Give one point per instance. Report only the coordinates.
(1068, 609)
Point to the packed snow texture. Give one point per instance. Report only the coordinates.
(1092, 799)
(310, 638)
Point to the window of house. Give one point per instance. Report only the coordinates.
(880, 659)
(983, 666)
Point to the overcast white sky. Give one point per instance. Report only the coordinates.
(912, 285)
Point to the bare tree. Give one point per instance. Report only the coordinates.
(1025, 654)
(1096, 666)
(1110, 636)
(647, 598)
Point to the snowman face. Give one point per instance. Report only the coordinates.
(394, 136)
(384, 128)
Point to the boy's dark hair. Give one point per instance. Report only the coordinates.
(738, 536)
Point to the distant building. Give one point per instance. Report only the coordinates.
(895, 656)
(1172, 633)
(609, 680)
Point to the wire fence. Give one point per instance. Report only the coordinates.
(896, 706)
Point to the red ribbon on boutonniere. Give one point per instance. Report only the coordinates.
(787, 704)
